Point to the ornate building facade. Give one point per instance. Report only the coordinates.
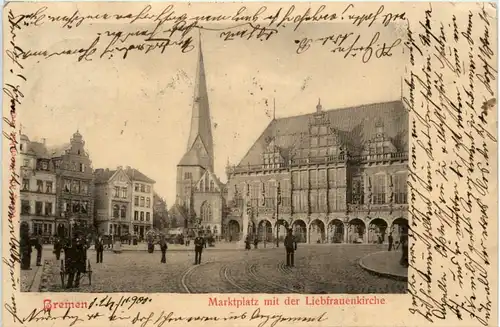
(74, 186)
(199, 193)
(113, 201)
(38, 188)
(142, 205)
(123, 202)
(333, 176)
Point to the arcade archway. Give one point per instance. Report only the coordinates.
(299, 228)
(233, 231)
(317, 231)
(336, 231)
(265, 231)
(357, 230)
(398, 228)
(282, 227)
(377, 231)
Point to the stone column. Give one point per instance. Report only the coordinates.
(346, 232)
(308, 237)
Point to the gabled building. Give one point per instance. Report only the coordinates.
(74, 186)
(199, 193)
(113, 202)
(332, 175)
(142, 202)
(38, 187)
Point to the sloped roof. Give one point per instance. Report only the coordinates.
(137, 176)
(190, 158)
(103, 175)
(39, 150)
(353, 125)
(214, 177)
(59, 150)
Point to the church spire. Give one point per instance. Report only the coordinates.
(200, 135)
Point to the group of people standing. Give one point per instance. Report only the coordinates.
(26, 244)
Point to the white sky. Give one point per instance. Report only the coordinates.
(136, 112)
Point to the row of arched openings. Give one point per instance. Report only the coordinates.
(356, 230)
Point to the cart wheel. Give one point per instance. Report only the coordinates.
(90, 273)
(62, 273)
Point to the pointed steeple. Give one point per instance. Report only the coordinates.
(200, 135)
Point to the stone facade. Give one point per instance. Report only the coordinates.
(200, 196)
(74, 186)
(334, 176)
(113, 202)
(38, 188)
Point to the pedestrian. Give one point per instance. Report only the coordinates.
(163, 248)
(198, 248)
(290, 247)
(390, 238)
(255, 242)
(204, 242)
(57, 247)
(25, 246)
(39, 248)
(247, 243)
(99, 248)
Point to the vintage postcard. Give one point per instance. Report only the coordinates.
(249, 164)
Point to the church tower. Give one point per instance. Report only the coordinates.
(199, 156)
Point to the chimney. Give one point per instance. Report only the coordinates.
(44, 140)
(107, 170)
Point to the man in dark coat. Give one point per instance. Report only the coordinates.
(99, 248)
(57, 247)
(391, 239)
(199, 242)
(25, 246)
(290, 247)
(163, 248)
(39, 248)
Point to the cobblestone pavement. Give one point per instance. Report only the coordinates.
(318, 269)
(28, 277)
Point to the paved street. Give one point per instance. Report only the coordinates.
(318, 269)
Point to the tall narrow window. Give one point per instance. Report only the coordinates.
(116, 211)
(379, 189)
(206, 212)
(400, 188)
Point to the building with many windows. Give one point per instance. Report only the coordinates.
(142, 202)
(113, 202)
(38, 188)
(74, 186)
(332, 176)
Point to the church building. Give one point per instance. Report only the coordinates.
(199, 193)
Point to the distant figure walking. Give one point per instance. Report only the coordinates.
(390, 238)
(163, 248)
(198, 248)
(99, 248)
(57, 247)
(255, 242)
(247, 243)
(39, 248)
(290, 247)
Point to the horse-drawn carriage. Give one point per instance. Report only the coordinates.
(75, 267)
